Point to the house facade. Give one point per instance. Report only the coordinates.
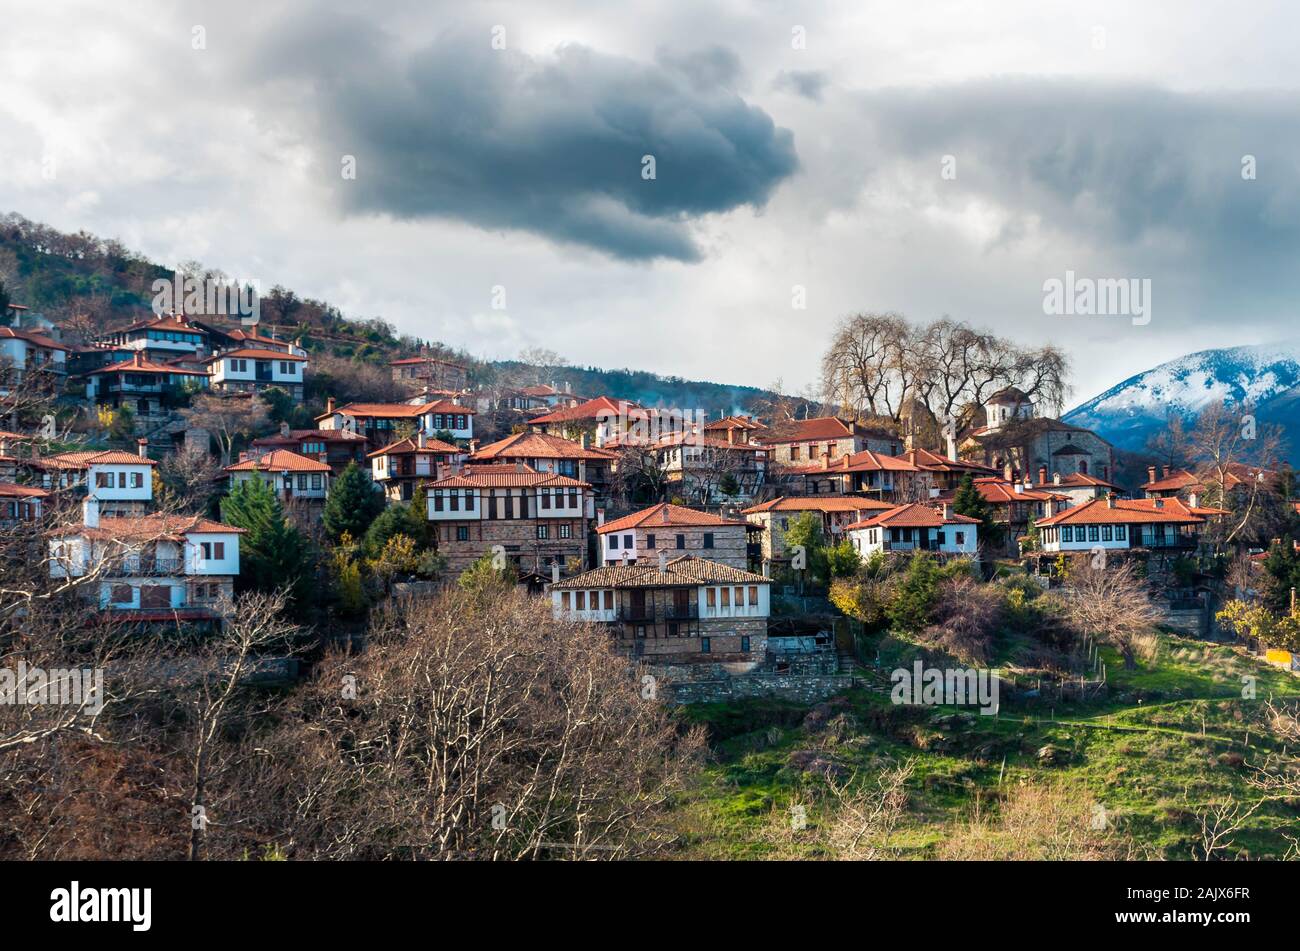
(290, 475)
(870, 473)
(1163, 523)
(26, 355)
(1018, 442)
(673, 611)
(400, 467)
(383, 423)
(162, 339)
(20, 504)
(534, 520)
(148, 388)
(676, 530)
(121, 482)
(770, 521)
(334, 447)
(151, 568)
(917, 526)
(255, 369)
(805, 442)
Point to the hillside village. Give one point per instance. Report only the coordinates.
(159, 470)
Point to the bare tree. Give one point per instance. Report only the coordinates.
(1111, 603)
(227, 418)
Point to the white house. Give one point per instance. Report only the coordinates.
(24, 351)
(379, 422)
(917, 526)
(291, 476)
(253, 369)
(121, 482)
(152, 567)
(401, 466)
(1112, 523)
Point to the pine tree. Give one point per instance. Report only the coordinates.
(970, 503)
(352, 504)
(272, 553)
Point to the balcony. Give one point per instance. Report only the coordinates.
(689, 612)
(636, 615)
(153, 567)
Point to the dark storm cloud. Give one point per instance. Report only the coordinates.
(1151, 173)
(551, 145)
(802, 82)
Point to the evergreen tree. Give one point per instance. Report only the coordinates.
(272, 553)
(970, 503)
(352, 505)
(913, 601)
(400, 518)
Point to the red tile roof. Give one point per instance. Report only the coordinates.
(534, 445)
(686, 571)
(39, 340)
(100, 457)
(914, 515)
(279, 460)
(11, 490)
(410, 446)
(818, 503)
(138, 364)
(145, 527)
(1125, 511)
(925, 459)
(300, 435)
(256, 353)
(410, 361)
(397, 410)
(998, 491)
(667, 515)
(506, 477)
(601, 406)
(821, 427)
(864, 461)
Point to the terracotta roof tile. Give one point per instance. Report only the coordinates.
(535, 445)
(279, 460)
(914, 515)
(667, 515)
(686, 571)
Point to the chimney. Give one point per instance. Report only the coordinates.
(1191, 499)
(1019, 487)
(142, 447)
(952, 447)
(329, 405)
(284, 429)
(826, 461)
(473, 445)
(1042, 475)
(600, 517)
(1056, 478)
(623, 558)
(1151, 473)
(663, 559)
(1164, 472)
(1160, 503)
(1049, 507)
(1110, 501)
(947, 511)
(519, 467)
(90, 512)
(136, 359)
(664, 513)
(767, 568)
(555, 572)
(1007, 472)
(582, 440)
(421, 440)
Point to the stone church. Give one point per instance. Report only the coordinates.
(1021, 444)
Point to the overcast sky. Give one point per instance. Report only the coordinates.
(794, 145)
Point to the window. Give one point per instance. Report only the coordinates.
(214, 550)
(137, 480)
(1067, 533)
(708, 539)
(308, 448)
(1121, 533)
(1094, 533)
(582, 600)
(462, 533)
(628, 542)
(961, 538)
(286, 368)
(543, 532)
(453, 501)
(704, 645)
(681, 541)
(1107, 533)
(566, 530)
(794, 453)
(437, 500)
(711, 597)
(613, 542)
(564, 600)
(740, 597)
(753, 596)
(744, 642)
(546, 500)
(573, 499)
(650, 541)
(609, 600)
(104, 480)
(302, 482)
(726, 597)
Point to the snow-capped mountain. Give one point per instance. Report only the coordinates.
(1267, 377)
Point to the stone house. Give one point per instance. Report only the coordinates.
(675, 529)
